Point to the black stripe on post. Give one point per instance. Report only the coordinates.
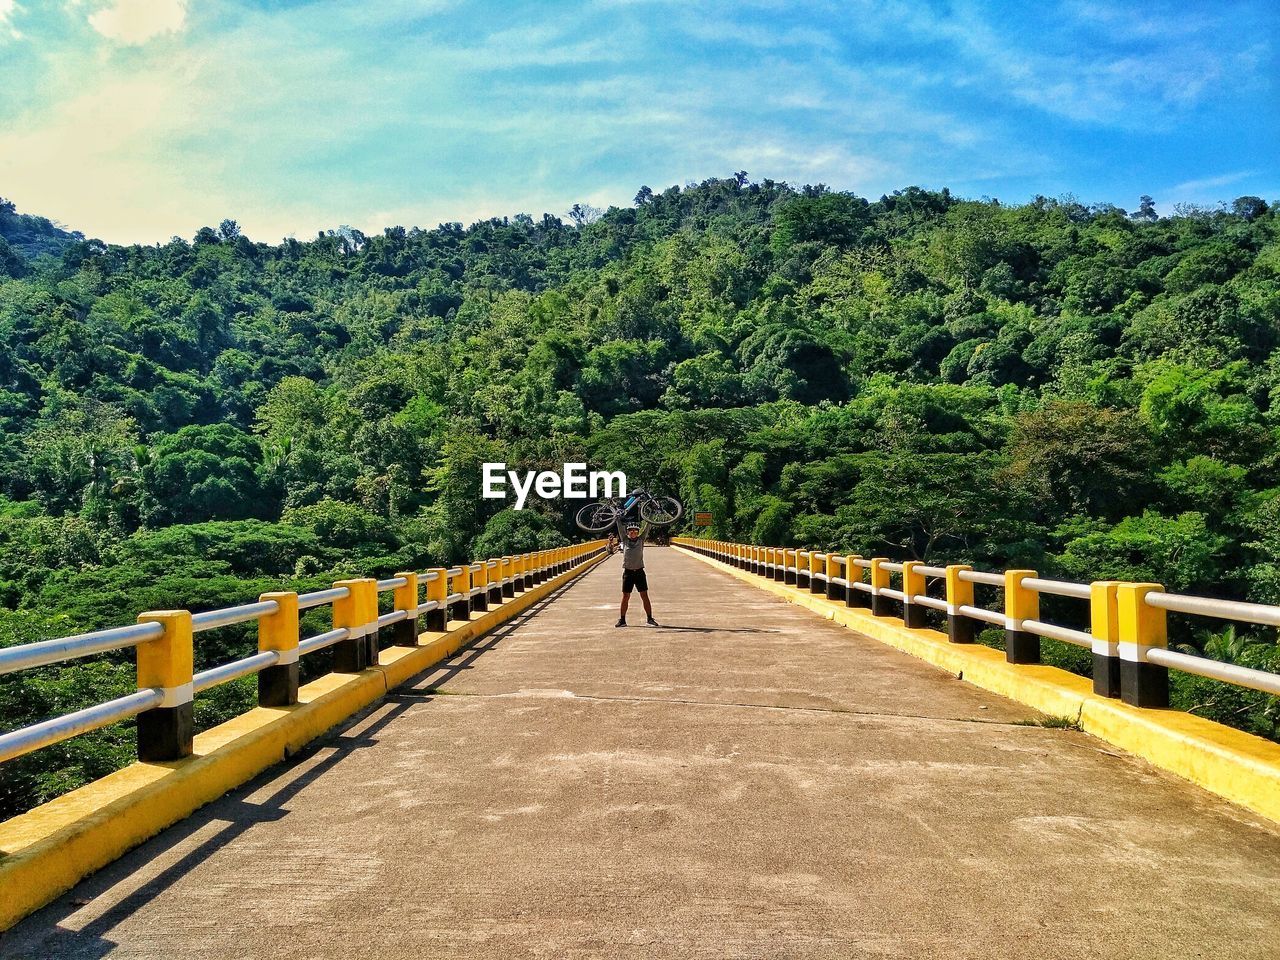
(1021, 647)
(350, 655)
(278, 685)
(404, 633)
(913, 616)
(1143, 684)
(960, 629)
(166, 733)
(1106, 675)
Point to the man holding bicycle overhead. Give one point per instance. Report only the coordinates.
(631, 542)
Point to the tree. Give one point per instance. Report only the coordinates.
(1249, 208)
(1146, 210)
(1082, 459)
(205, 472)
(584, 214)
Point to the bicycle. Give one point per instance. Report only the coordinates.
(603, 515)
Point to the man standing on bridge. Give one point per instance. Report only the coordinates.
(631, 543)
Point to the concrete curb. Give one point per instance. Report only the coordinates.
(1235, 765)
(46, 851)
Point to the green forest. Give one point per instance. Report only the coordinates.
(1082, 390)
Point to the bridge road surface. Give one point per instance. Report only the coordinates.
(748, 781)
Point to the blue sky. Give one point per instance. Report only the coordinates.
(134, 120)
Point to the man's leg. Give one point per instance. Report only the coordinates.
(644, 598)
(627, 587)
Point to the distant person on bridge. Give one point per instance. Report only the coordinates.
(631, 542)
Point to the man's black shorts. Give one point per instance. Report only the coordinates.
(635, 579)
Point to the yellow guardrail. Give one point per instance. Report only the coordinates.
(46, 850)
(1128, 698)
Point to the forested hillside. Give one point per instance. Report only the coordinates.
(1087, 392)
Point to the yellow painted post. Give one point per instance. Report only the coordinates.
(853, 597)
(1141, 627)
(167, 663)
(913, 585)
(817, 568)
(480, 582)
(881, 606)
(493, 570)
(802, 570)
(352, 613)
(960, 628)
(835, 572)
(278, 632)
(404, 633)
(1020, 603)
(507, 571)
(526, 561)
(1104, 626)
(437, 620)
(790, 560)
(460, 609)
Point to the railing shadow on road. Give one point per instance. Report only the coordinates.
(47, 937)
(692, 629)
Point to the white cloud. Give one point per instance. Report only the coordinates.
(1199, 186)
(137, 21)
(7, 10)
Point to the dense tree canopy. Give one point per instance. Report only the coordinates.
(1053, 385)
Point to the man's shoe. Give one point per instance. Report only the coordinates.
(653, 623)
(622, 622)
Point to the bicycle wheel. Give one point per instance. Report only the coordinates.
(596, 517)
(661, 511)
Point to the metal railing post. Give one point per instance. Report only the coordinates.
(278, 685)
(506, 568)
(167, 731)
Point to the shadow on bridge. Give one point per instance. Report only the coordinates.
(668, 626)
(237, 814)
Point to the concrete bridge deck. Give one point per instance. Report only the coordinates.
(748, 781)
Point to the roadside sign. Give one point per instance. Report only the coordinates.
(702, 519)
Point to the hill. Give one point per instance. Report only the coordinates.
(1072, 388)
(25, 237)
